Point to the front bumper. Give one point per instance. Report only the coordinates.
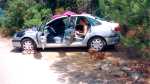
(16, 43)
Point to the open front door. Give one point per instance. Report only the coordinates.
(43, 41)
(41, 35)
(69, 31)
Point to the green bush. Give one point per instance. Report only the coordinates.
(135, 14)
(20, 13)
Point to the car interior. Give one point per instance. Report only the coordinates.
(63, 28)
(55, 29)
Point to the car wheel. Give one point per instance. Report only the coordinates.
(97, 43)
(28, 46)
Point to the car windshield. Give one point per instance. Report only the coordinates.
(43, 24)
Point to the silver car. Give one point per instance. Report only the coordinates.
(59, 32)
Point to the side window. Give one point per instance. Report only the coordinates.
(71, 22)
(82, 17)
(70, 25)
(93, 22)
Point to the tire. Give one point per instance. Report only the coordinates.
(97, 43)
(28, 46)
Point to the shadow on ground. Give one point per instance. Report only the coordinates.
(66, 49)
(77, 68)
(49, 51)
(73, 49)
(61, 51)
(36, 55)
(80, 69)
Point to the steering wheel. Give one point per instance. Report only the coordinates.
(51, 29)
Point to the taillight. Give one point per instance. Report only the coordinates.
(117, 28)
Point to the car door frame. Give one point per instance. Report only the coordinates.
(51, 45)
(43, 35)
(72, 24)
(81, 43)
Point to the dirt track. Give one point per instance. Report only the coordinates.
(16, 68)
(56, 66)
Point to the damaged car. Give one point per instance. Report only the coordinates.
(69, 30)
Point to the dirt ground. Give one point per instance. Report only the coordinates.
(70, 66)
(117, 68)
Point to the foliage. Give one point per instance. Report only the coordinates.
(34, 14)
(77, 6)
(21, 13)
(133, 13)
(125, 11)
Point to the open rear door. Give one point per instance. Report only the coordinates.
(69, 31)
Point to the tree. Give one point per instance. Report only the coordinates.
(77, 6)
(24, 12)
(133, 13)
(2, 3)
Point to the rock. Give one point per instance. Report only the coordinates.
(125, 68)
(114, 61)
(135, 75)
(103, 65)
(122, 62)
(106, 67)
(118, 73)
(87, 73)
(72, 68)
(108, 54)
(98, 65)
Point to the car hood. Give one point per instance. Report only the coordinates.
(32, 29)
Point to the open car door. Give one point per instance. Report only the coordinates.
(41, 35)
(69, 31)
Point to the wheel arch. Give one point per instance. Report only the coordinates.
(95, 37)
(30, 39)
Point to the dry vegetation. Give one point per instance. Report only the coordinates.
(108, 67)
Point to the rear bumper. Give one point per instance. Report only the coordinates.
(113, 40)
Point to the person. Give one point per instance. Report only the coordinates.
(82, 28)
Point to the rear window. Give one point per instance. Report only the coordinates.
(94, 22)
